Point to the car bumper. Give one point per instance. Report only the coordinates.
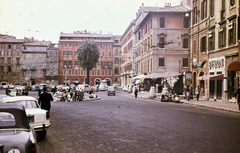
(42, 127)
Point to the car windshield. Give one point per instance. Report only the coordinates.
(27, 103)
(7, 119)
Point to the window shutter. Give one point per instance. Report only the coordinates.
(224, 36)
(234, 33)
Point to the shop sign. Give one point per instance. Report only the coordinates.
(188, 78)
(216, 64)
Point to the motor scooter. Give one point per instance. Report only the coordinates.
(176, 98)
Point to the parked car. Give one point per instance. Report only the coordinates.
(125, 88)
(16, 133)
(3, 96)
(111, 90)
(35, 87)
(38, 118)
(103, 87)
(84, 87)
(95, 88)
(12, 92)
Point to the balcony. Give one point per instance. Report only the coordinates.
(33, 68)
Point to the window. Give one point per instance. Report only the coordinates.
(81, 72)
(9, 60)
(195, 14)
(18, 53)
(203, 9)
(9, 46)
(69, 53)
(64, 53)
(161, 62)
(76, 72)
(109, 72)
(232, 32)
(98, 72)
(110, 46)
(65, 64)
(103, 46)
(185, 62)
(186, 22)
(24, 57)
(44, 73)
(103, 53)
(211, 40)
(102, 63)
(162, 22)
(222, 37)
(69, 72)
(23, 73)
(69, 64)
(103, 72)
(185, 43)
(2, 60)
(139, 35)
(76, 53)
(17, 46)
(116, 51)
(9, 68)
(76, 44)
(65, 45)
(116, 61)
(76, 63)
(223, 10)
(232, 2)
(116, 71)
(110, 53)
(9, 53)
(161, 42)
(17, 77)
(2, 46)
(1, 68)
(92, 72)
(18, 61)
(194, 47)
(211, 8)
(70, 45)
(203, 44)
(2, 53)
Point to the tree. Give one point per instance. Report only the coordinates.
(88, 55)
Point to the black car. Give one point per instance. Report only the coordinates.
(16, 134)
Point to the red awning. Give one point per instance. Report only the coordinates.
(211, 77)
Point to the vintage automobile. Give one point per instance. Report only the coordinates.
(111, 90)
(16, 134)
(38, 118)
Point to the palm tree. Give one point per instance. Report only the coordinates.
(88, 55)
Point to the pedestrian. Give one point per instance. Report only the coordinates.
(136, 92)
(45, 100)
(75, 95)
(238, 99)
(197, 92)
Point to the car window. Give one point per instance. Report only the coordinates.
(27, 103)
(7, 119)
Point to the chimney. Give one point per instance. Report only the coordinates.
(167, 4)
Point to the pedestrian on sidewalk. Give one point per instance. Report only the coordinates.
(136, 92)
(45, 100)
(197, 92)
(238, 99)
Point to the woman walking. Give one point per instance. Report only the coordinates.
(197, 92)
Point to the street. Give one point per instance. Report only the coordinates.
(124, 124)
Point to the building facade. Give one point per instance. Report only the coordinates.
(160, 41)
(34, 61)
(117, 60)
(215, 48)
(11, 59)
(69, 70)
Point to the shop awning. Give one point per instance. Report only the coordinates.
(211, 77)
(201, 63)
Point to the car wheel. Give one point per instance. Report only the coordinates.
(42, 134)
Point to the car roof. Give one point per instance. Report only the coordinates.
(17, 98)
(19, 113)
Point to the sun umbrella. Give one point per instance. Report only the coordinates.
(139, 76)
(153, 75)
(169, 74)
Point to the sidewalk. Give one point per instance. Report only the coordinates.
(228, 106)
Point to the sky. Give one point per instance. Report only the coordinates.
(46, 19)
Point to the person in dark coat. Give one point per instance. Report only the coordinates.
(45, 100)
(238, 99)
(136, 92)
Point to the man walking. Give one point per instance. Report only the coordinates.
(45, 100)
